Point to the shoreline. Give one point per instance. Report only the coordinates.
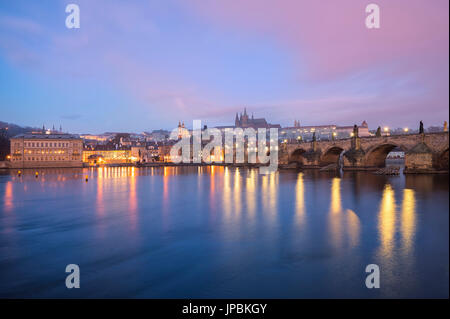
(241, 165)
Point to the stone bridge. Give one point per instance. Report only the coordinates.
(423, 152)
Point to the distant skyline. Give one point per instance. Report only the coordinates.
(138, 66)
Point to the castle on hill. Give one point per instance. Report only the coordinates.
(243, 121)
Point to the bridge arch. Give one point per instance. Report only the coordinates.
(297, 157)
(376, 155)
(331, 155)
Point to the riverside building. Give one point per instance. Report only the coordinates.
(47, 149)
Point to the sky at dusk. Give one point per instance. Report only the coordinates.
(141, 65)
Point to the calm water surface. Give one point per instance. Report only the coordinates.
(222, 232)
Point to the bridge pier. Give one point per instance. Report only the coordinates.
(419, 159)
(312, 156)
(354, 158)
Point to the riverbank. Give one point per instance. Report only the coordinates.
(292, 166)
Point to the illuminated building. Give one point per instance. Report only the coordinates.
(182, 131)
(346, 131)
(107, 156)
(305, 133)
(46, 149)
(322, 132)
(97, 138)
(164, 153)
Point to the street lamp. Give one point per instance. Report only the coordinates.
(406, 130)
(386, 129)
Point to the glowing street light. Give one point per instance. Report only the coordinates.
(406, 129)
(386, 129)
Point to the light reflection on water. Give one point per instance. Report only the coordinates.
(222, 232)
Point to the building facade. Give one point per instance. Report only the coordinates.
(305, 133)
(107, 156)
(321, 132)
(33, 150)
(347, 131)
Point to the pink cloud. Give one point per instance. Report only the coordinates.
(330, 37)
(401, 68)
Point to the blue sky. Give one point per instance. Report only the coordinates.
(143, 65)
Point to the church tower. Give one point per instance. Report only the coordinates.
(245, 117)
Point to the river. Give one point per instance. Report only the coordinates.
(217, 232)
